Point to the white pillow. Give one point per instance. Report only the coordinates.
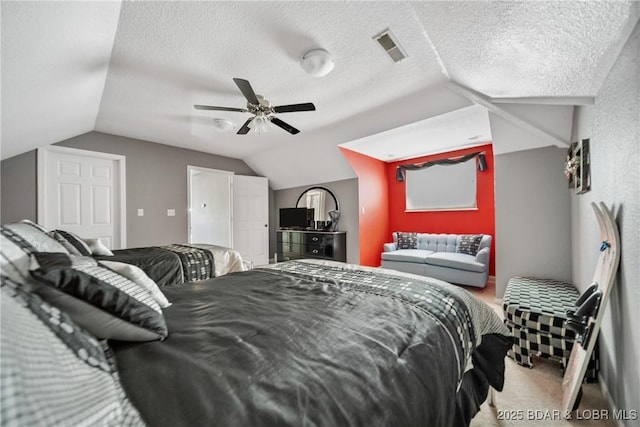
(97, 247)
(140, 278)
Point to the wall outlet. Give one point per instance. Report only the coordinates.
(140, 212)
(171, 212)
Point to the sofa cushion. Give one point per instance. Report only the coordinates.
(455, 260)
(468, 244)
(407, 255)
(438, 242)
(407, 240)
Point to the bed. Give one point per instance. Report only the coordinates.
(166, 265)
(180, 263)
(303, 342)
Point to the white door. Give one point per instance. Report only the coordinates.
(210, 206)
(251, 218)
(82, 192)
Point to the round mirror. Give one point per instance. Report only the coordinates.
(321, 200)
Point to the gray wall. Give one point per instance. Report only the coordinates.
(18, 183)
(156, 181)
(347, 193)
(613, 126)
(533, 216)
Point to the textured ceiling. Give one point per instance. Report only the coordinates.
(137, 68)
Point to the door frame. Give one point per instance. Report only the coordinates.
(219, 171)
(43, 157)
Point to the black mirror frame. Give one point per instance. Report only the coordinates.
(320, 187)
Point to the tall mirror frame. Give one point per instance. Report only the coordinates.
(322, 200)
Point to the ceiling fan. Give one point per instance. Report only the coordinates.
(261, 109)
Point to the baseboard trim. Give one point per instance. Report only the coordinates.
(605, 393)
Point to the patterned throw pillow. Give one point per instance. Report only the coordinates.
(33, 224)
(468, 244)
(72, 242)
(407, 240)
(51, 371)
(17, 242)
(84, 346)
(33, 234)
(105, 303)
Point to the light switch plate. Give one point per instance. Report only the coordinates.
(140, 212)
(171, 212)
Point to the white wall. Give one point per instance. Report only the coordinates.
(533, 216)
(613, 126)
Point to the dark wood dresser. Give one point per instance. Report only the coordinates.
(296, 244)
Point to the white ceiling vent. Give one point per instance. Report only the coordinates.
(390, 44)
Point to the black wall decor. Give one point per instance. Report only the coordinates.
(482, 164)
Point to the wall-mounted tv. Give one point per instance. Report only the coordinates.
(293, 218)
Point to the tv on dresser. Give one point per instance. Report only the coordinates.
(295, 217)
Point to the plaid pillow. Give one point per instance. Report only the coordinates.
(468, 244)
(407, 240)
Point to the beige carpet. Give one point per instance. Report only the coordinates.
(532, 395)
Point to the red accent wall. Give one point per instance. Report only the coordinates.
(382, 204)
(478, 221)
(373, 211)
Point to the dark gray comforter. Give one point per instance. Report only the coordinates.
(168, 265)
(304, 344)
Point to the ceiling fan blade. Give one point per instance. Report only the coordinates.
(247, 91)
(294, 107)
(276, 121)
(245, 127)
(209, 107)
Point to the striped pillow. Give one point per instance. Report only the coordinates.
(72, 242)
(105, 303)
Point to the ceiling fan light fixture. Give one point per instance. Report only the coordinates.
(260, 124)
(223, 125)
(317, 62)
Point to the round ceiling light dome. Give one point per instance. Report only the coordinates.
(317, 62)
(223, 125)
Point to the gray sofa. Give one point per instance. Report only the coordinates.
(438, 256)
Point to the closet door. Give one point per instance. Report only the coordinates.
(83, 192)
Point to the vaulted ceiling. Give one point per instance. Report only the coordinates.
(136, 69)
